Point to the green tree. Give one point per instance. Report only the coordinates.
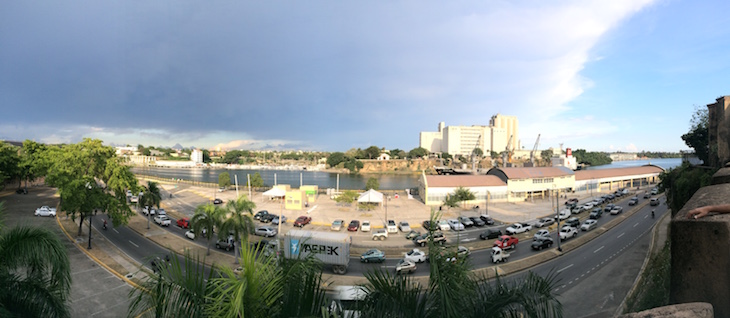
(398, 154)
(447, 156)
(206, 156)
(32, 164)
(224, 179)
(90, 177)
(240, 221)
(9, 162)
(546, 156)
(477, 152)
(35, 273)
(372, 152)
(680, 184)
(698, 136)
(151, 197)
(417, 153)
(207, 217)
(353, 165)
(257, 181)
(335, 158)
(348, 196)
(372, 183)
(591, 158)
(494, 154)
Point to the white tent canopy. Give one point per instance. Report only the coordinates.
(371, 196)
(275, 192)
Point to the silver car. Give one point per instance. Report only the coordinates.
(265, 231)
(405, 266)
(589, 225)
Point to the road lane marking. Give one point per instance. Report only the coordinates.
(115, 230)
(564, 268)
(622, 234)
(636, 224)
(600, 248)
(133, 244)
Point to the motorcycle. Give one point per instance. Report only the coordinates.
(652, 214)
(104, 225)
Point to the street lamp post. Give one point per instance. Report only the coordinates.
(91, 219)
(557, 215)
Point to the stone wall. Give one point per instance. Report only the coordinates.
(719, 131)
(701, 250)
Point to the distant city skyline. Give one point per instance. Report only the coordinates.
(598, 75)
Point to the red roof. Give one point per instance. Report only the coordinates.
(616, 172)
(453, 181)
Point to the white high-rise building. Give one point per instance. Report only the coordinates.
(196, 156)
(461, 140)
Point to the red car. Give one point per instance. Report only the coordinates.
(506, 242)
(354, 224)
(302, 221)
(183, 223)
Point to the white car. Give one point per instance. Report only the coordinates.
(404, 226)
(455, 225)
(544, 222)
(365, 226)
(392, 228)
(444, 225)
(540, 234)
(589, 225)
(45, 211)
(190, 234)
(616, 210)
(588, 206)
(568, 232)
(265, 231)
(564, 214)
(380, 234)
(416, 256)
(163, 220)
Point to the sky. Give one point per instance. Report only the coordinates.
(620, 75)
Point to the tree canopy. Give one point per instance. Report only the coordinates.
(372, 183)
(418, 152)
(698, 136)
(224, 179)
(591, 158)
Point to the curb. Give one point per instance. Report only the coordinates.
(650, 253)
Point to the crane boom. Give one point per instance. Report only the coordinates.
(534, 149)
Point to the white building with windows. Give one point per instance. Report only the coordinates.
(461, 140)
(196, 156)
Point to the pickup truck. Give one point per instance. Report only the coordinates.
(163, 220)
(498, 255)
(568, 232)
(505, 241)
(518, 228)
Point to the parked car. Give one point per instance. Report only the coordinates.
(415, 255)
(545, 222)
(392, 228)
(487, 219)
(455, 225)
(404, 227)
(302, 221)
(568, 232)
(589, 225)
(412, 234)
(45, 211)
(217, 201)
(268, 218)
(365, 226)
(564, 214)
(477, 221)
(337, 225)
(354, 224)
(654, 202)
(611, 196)
(540, 234)
(265, 231)
(444, 225)
(571, 201)
(260, 214)
(183, 223)
(221, 189)
(506, 242)
(466, 221)
(596, 214)
(633, 200)
(543, 242)
(490, 234)
(380, 234)
(428, 225)
(616, 210)
(276, 219)
(373, 256)
(405, 266)
(574, 222)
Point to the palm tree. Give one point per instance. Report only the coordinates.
(151, 197)
(35, 273)
(206, 218)
(240, 222)
(176, 291)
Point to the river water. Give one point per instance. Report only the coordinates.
(346, 181)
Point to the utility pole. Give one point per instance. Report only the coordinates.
(557, 216)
